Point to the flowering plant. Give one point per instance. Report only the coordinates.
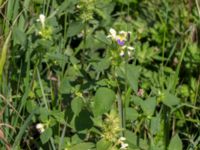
(45, 31)
(122, 39)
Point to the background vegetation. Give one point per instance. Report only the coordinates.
(64, 85)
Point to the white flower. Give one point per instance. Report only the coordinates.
(121, 53)
(122, 138)
(124, 36)
(124, 146)
(120, 38)
(78, 6)
(129, 53)
(124, 32)
(113, 34)
(42, 19)
(122, 143)
(130, 48)
(40, 127)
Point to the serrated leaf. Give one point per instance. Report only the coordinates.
(170, 99)
(67, 6)
(132, 77)
(102, 65)
(131, 114)
(175, 143)
(76, 138)
(46, 135)
(77, 105)
(83, 121)
(44, 114)
(155, 124)
(19, 36)
(38, 1)
(137, 100)
(31, 105)
(131, 137)
(103, 101)
(74, 28)
(83, 146)
(131, 140)
(59, 116)
(102, 37)
(65, 86)
(103, 144)
(148, 106)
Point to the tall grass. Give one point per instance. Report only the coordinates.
(64, 84)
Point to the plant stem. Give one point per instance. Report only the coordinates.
(84, 42)
(120, 109)
(166, 117)
(124, 105)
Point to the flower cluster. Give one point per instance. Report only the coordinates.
(45, 31)
(42, 19)
(121, 39)
(111, 127)
(140, 92)
(40, 127)
(86, 8)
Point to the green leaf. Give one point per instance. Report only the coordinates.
(131, 114)
(46, 135)
(132, 77)
(103, 101)
(84, 146)
(131, 138)
(77, 105)
(148, 106)
(44, 114)
(83, 121)
(67, 6)
(102, 37)
(127, 1)
(38, 1)
(19, 37)
(65, 86)
(59, 116)
(31, 105)
(170, 99)
(101, 65)
(56, 57)
(137, 100)
(23, 129)
(175, 143)
(75, 139)
(74, 28)
(155, 124)
(103, 144)
(3, 55)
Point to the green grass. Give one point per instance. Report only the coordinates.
(88, 87)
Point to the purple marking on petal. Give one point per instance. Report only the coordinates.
(121, 43)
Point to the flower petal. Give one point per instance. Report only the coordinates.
(120, 42)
